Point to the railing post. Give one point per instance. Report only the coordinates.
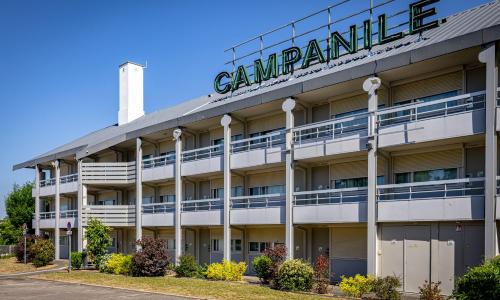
(178, 194)
(226, 123)
(489, 57)
(371, 85)
(288, 107)
(138, 191)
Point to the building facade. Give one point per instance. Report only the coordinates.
(387, 162)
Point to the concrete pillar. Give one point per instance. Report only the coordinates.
(79, 205)
(488, 56)
(226, 122)
(138, 191)
(371, 85)
(178, 195)
(37, 200)
(57, 208)
(288, 107)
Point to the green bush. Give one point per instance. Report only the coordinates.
(386, 287)
(116, 263)
(295, 275)
(356, 286)
(481, 282)
(103, 263)
(42, 252)
(229, 271)
(98, 241)
(77, 260)
(187, 267)
(263, 267)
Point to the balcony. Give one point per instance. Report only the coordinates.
(110, 215)
(443, 200)
(456, 116)
(260, 209)
(48, 219)
(202, 160)
(158, 168)
(158, 214)
(342, 135)
(108, 173)
(256, 151)
(330, 206)
(202, 212)
(68, 184)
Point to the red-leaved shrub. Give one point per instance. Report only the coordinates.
(321, 267)
(277, 254)
(152, 259)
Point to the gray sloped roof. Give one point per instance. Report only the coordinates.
(463, 30)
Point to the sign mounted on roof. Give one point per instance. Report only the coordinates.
(286, 62)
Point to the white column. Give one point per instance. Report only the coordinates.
(488, 56)
(288, 107)
(57, 208)
(371, 85)
(226, 122)
(178, 194)
(37, 200)
(138, 191)
(79, 205)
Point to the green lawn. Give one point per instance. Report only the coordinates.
(178, 286)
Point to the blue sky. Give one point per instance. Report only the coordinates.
(59, 60)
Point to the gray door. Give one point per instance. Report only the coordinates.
(417, 257)
(391, 247)
(204, 246)
(450, 252)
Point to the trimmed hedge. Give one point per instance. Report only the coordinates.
(263, 267)
(481, 282)
(230, 271)
(187, 267)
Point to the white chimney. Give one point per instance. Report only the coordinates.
(131, 92)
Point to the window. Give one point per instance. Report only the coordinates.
(216, 245)
(263, 141)
(147, 163)
(236, 245)
(258, 246)
(265, 190)
(170, 244)
(356, 182)
(147, 200)
(106, 202)
(168, 156)
(167, 198)
(428, 175)
(218, 193)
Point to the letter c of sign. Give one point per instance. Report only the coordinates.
(217, 85)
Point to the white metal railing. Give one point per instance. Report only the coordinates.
(158, 208)
(498, 185)
(47, 182)
(431, 189)
(72, 213)
(498, 96)
(331, 129)
(258, 201)
(68, 178)
(108, 172)
(202, 153)
(269, 140)
(202, 205)
(111, 215)
(331, 196)
(424, 110)
(158, 161)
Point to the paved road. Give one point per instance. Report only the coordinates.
(26, 288)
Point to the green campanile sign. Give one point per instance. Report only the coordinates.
(315, 55)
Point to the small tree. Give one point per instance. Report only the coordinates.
(9, 234)
(152, 259)
(20, 205)
(98, 240)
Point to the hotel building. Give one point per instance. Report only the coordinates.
(384, 158)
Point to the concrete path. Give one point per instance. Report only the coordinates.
(19, 287)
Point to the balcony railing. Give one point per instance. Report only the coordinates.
(258, 201)
(331, 129)
(202, 153)
(69, 178)
(259, 142)
(425, 110)
(73, 213)
(112, 215)
(48, 182)
(431, 189)
(202, 205)
(158, 208)
(332, 196)
(108, 172)
(158, 161)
